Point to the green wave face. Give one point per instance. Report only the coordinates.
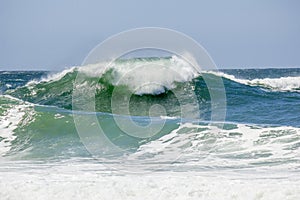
(43, 132)
(142, 93)
(48, 133)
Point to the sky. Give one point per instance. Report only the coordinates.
(56, 34)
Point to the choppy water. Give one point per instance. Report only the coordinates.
(256, 149)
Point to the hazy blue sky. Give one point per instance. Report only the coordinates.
(54, 34)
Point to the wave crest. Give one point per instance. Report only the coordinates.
(144, 75)
(283, 84)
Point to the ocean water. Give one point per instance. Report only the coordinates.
(255, 154)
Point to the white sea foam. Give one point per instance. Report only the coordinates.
(12, 116)
(277, 84)
(8, 85)
(281, 84)
(84, 180)
(210, 146)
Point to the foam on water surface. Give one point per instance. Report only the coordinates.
(72, 180)
(12, 114)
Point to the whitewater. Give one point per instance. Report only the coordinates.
(254, 154)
